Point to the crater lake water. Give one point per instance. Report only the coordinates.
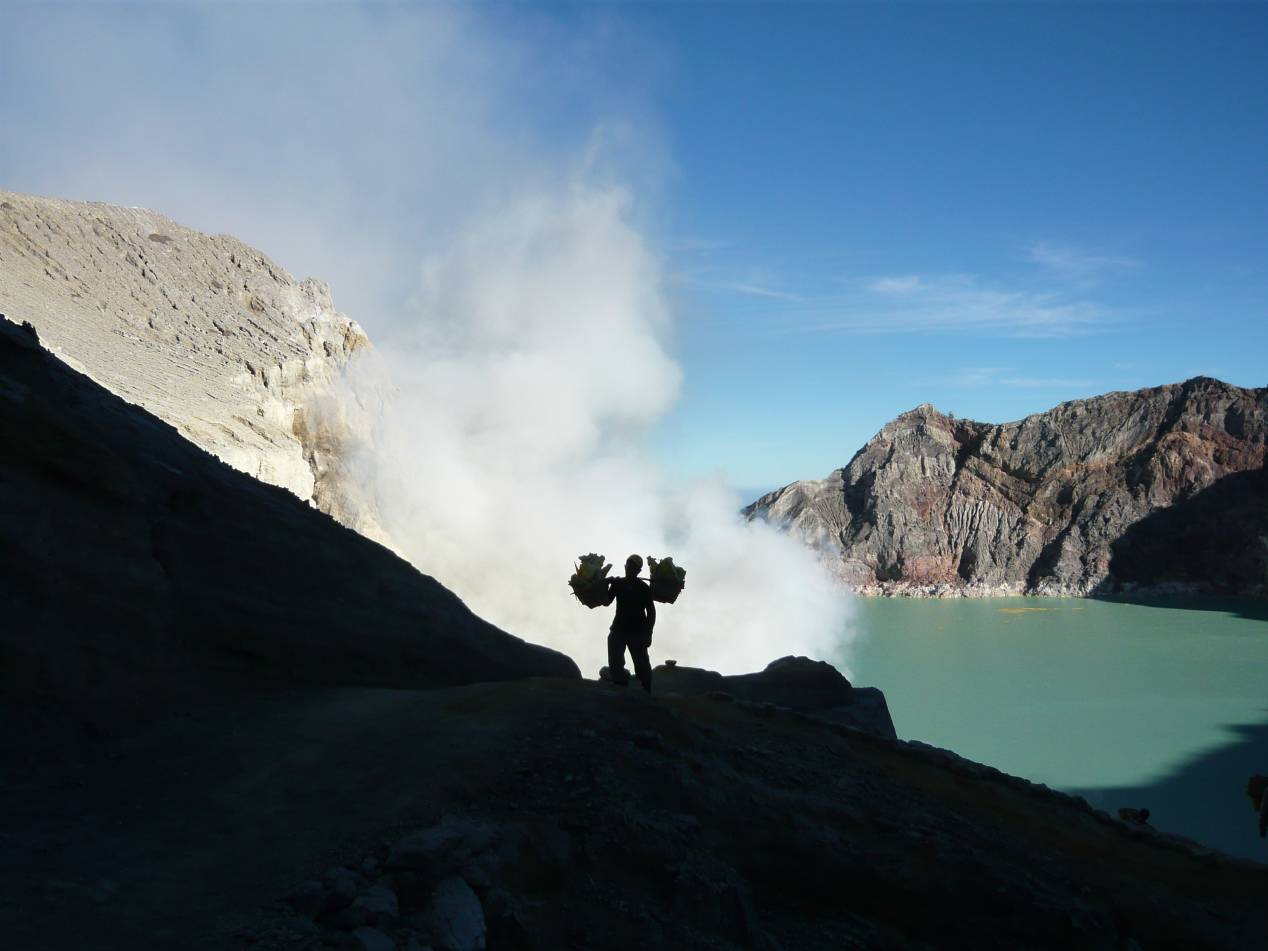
(1162, 705)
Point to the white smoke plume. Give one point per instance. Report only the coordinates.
(351, 140)
(510, 440)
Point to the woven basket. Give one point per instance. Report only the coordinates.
(594, 595)
(666, 590)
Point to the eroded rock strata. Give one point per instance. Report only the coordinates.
(206, 333)
(1162, 489)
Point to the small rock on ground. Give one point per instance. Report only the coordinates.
(456, 916)
(372, 939)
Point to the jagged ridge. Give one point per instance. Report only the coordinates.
(1162, 488)
(207, 333)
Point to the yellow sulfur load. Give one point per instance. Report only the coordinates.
(668, 579)
(590, 581)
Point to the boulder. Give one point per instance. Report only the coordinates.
(795, 683)
(456, 846)
(455, 917)
(308, 898)
(372, 939)
(379, 905)
(341, 888)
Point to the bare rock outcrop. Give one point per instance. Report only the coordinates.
(811, 687)
(203, 331)
(1158, 489)
(137, 571)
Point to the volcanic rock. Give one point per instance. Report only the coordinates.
(737, 830)
(136, 570)
(1162, 489)
(206, 333)
(800, 684)
(455, 917)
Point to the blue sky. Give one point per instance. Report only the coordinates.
(990, 208)
(860, 207)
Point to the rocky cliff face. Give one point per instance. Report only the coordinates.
(206, 333)
(1163, 488)
(136, 570)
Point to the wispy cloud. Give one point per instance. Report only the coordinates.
(896, 286)
(954, 303)
(1010, 377)
(752, 290)
(1077, 262)
(753, 282)
(693, 244)
(1058, 299)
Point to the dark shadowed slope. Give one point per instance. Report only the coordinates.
(135, 566)
(1162, 488)
(583, 817)
(1205, 797)
(138, 573)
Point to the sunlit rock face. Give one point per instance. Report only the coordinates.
(1161, 489)
(203, 331)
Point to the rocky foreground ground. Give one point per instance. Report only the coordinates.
(551, 814)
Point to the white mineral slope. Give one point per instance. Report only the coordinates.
(203, 331)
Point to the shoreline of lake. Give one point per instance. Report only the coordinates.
(1126, 592)
(1159, 705)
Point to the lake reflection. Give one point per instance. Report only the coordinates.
(1164, 705)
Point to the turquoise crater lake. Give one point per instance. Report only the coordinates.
(1159, 705)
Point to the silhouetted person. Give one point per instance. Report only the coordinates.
(632, 626)
(1138, 817)
(1257, 789)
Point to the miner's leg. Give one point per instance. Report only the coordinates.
(642, 663)
(616, 659)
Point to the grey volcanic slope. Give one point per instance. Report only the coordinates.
(206, 333)
(1162, 488)
(583, 817)
(136, 567)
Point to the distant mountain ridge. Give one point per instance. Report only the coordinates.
(1162, 489)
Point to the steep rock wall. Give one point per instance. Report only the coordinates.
(203, 331)
(136, 570)
(1162, 488)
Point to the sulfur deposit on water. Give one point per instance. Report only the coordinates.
(205, 332)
